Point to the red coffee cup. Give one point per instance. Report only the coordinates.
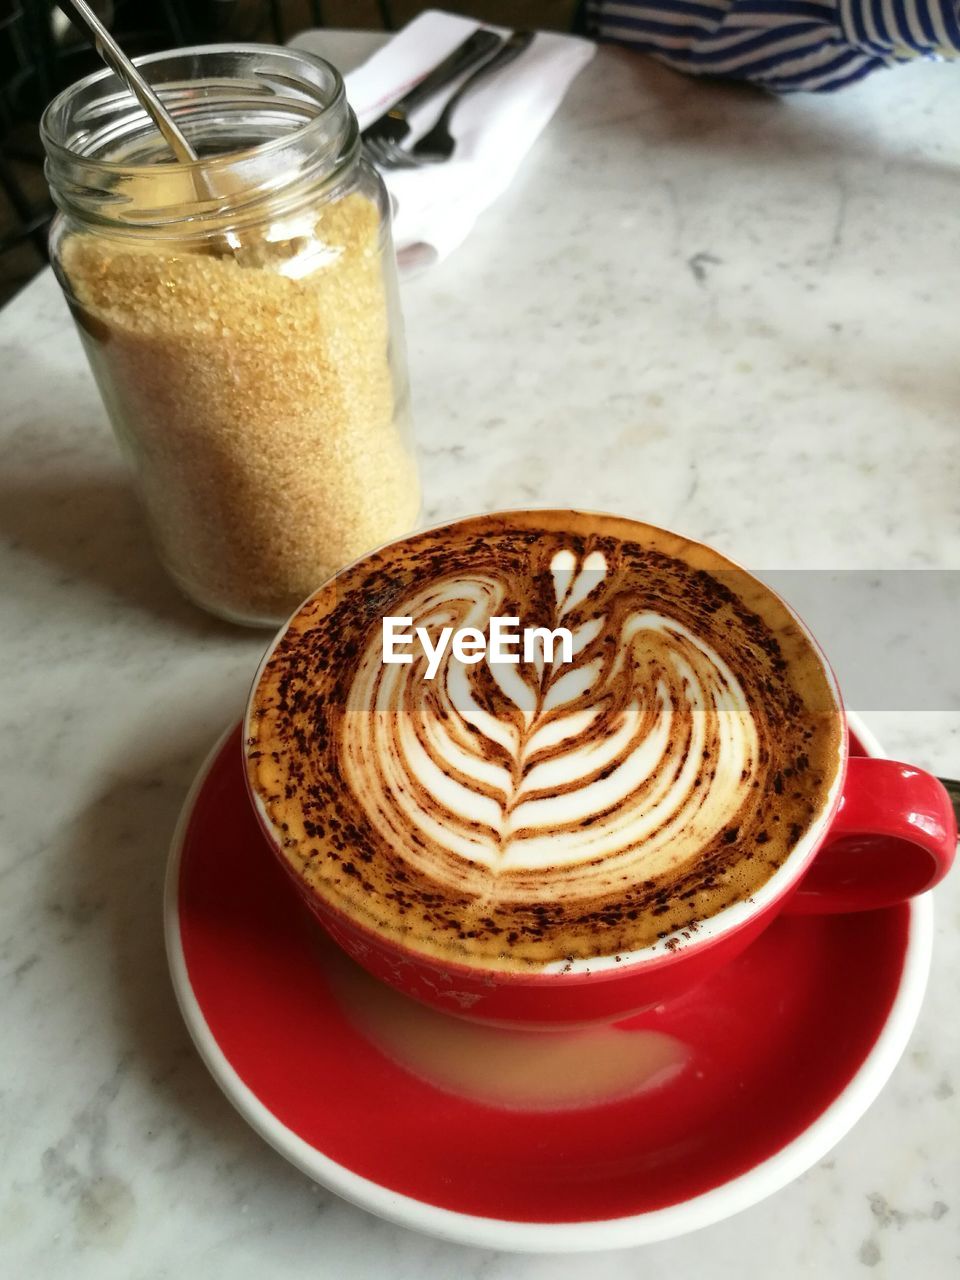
(886, 833)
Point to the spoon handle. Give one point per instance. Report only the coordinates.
(120, 64)
(953, 791)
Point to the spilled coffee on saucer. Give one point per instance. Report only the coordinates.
(651, 739)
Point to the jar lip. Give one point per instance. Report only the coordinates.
(337, 102)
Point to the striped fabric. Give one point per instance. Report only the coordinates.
(784, 45)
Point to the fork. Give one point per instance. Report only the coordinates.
(439, 144)
(382, 138)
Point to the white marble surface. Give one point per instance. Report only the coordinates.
(719, 312)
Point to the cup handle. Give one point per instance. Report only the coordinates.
(893, 836)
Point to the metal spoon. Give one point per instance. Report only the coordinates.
(121, 66)
(953, 791)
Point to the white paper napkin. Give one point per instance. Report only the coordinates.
(495, 126)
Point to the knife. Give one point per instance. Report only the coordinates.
(392, 126)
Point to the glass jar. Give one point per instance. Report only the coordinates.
(241, 318)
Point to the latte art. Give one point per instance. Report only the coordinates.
(594, 769)
(520, 814)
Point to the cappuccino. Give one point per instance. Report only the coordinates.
(514, 816)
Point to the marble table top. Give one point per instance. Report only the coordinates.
(720, 312)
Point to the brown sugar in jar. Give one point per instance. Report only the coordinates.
(250, 355)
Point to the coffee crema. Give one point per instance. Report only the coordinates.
(518, 816)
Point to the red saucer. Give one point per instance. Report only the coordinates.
(783, 1050)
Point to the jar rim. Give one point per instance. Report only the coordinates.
(59, 150)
